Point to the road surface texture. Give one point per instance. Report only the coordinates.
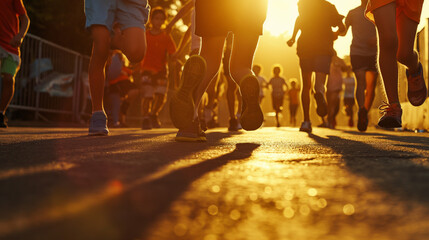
(58, 183)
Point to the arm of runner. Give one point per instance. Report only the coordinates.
(296, 28)
(24, 23)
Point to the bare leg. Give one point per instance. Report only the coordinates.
(320, 83)
(361, 85)
(385, 20)
(211, 51)
(407, 29)
(242, 56)
(371, 83)
(158, 104)
(305, 94)
(100, 51)
(146, 106)
(8, 89)
(231, 94)
(133, 44)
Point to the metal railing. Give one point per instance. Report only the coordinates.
(40, 61)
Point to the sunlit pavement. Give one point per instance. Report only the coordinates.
(267, 184)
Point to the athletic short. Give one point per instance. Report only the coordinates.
(218, 17)
(154, 84)
(9, 65)
(319, 64)
(293, 108)
(277, 102)
(411, 8)
(128, 13)
(349, 101)
(122, 87)
(364, 63)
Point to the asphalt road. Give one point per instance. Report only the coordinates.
(58, 183)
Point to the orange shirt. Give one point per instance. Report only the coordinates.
(125, 75)
(158, 46)
(9, 23)
(411, 8)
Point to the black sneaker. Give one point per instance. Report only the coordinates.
(3, 121)
(146, 125)
(155, 121)
(322, 108)
(362, 120)
(233, 125)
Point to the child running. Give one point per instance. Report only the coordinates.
(279, 87)
(315, 48)
(363, 54)
(397, 22)
(14, 24)
(214, 19)
(349, 95)
(100, 17)
(160, 45)
(293, 101)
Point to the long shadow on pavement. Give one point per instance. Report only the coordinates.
(42, 180)
(132, 213)
(392, 171)
(422, 141)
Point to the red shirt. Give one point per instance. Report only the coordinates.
(9, 22)
(158, 46)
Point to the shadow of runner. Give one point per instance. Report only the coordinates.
(391, 171)
(131, 214)
(423, 141)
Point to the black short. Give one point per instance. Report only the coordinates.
(277, 102)
(349, 101)
(364, 63)
(318, 64)
(122, 87)
(218, 17)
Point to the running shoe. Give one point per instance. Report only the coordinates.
(182, 104)
(192, 133)
(155, 121)
(362, 119)
(146, 124)
(322, 108)
(306, 127)
(3, 121)
(392, 114)
(98, 124)
(417, 91)
(233, 125)
(251, 116)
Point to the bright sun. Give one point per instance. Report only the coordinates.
(282, 14)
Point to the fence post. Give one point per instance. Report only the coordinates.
(75, 100)
(39, 56)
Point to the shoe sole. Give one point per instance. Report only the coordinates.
(98, 134)
(252, 116)
(305, 130)
(321, 109)
(389, 123)
(182, 105)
